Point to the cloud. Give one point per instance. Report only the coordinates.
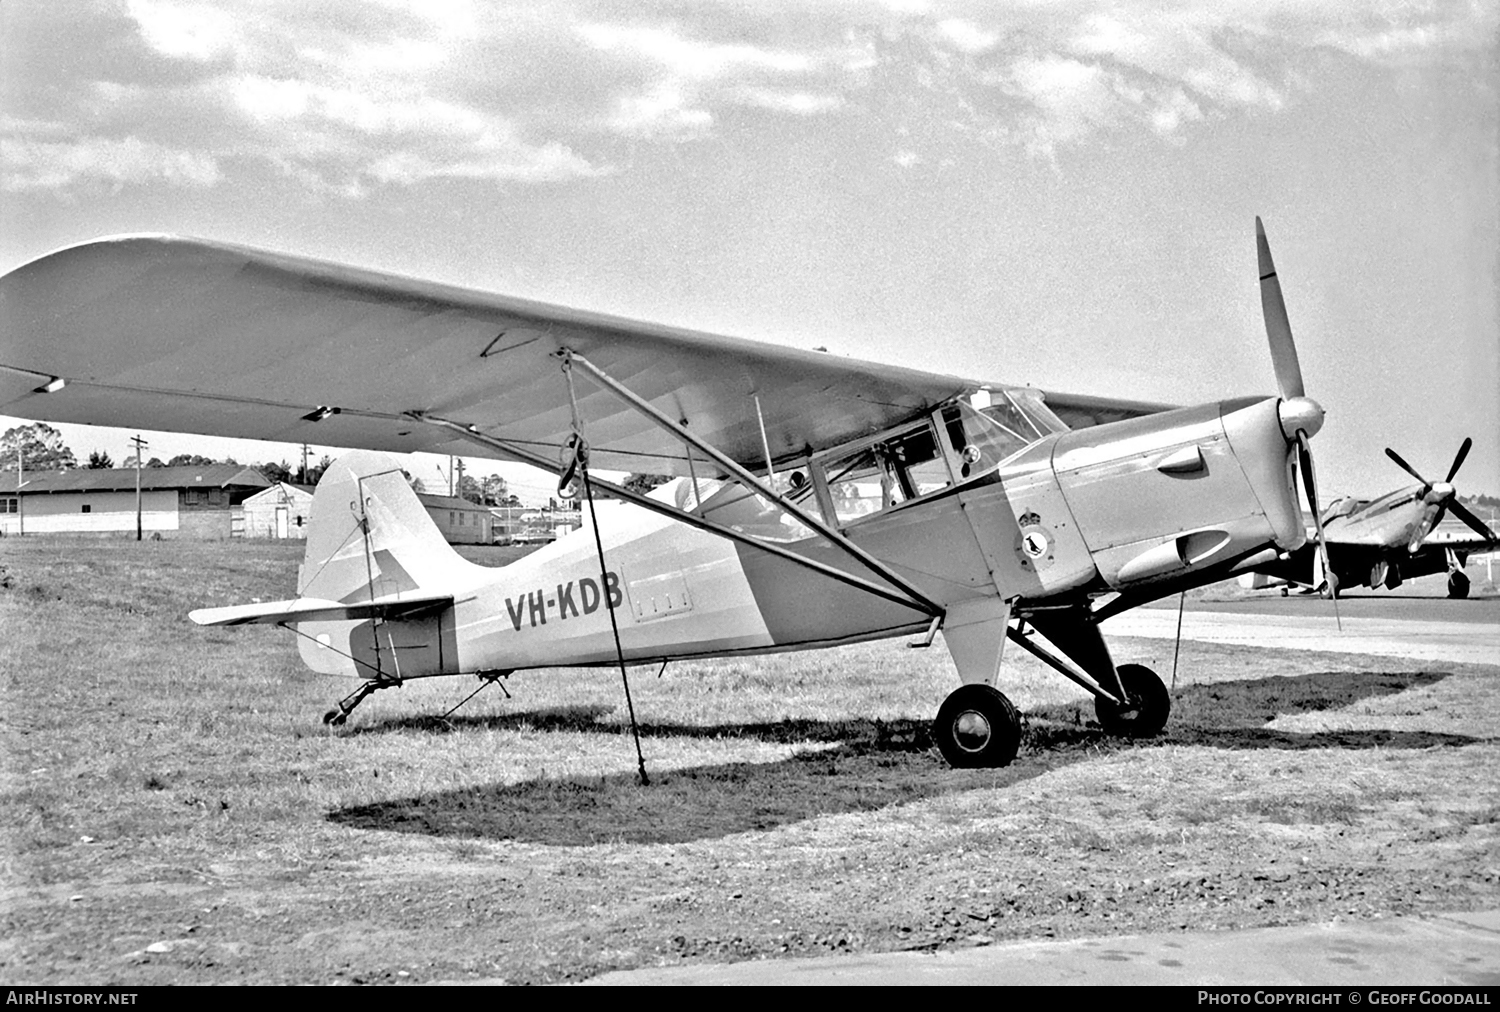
(192, 31)
(1064, 73)
(676, 80)
(34, 157)
(796, 103)
(344, 100)
(493, 158)
(1175, 50)
(348, 98)
(966, 36)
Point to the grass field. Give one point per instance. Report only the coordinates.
(175, 811)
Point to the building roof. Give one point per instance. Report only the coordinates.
(283, 490)
(448, 502)
(122, 479)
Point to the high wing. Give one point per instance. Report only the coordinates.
(169, 333)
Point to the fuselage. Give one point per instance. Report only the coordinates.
(1064, 516)
(1377, 542)
(1391, 521)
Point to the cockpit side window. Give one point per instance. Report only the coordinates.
(905, 465)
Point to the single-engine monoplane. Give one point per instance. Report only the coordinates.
(818, 500)
(1385, 541)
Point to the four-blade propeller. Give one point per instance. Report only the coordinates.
(1441, 497)
(1301, 416)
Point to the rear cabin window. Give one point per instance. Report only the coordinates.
(905, 466)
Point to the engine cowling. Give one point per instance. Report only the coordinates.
(1162, 495)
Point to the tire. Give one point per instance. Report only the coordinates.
(1458, 586)
(1151, 705)
(977, 728)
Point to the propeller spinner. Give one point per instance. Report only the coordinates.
(1301, 416)
(1441, 497)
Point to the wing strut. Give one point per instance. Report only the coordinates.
(526, 456)
(920, 600)
(581, 463)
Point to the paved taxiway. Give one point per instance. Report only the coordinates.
(1446, 949)
(1427, 629)
(1410, 951)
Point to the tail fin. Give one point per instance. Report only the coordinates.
(371, 539)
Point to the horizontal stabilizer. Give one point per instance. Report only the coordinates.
(311, 609)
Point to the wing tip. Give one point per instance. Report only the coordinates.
(105, 240)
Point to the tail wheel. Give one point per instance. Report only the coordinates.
(977, 728)
(1147, 709)
(1458, 585)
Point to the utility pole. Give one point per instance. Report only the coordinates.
(140, 444)
(460, 490)
(304, 480)
(450, 476)
(20, 474)
(1489, 560)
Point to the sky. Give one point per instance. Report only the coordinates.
(1058, 193)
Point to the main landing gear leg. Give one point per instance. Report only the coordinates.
(1129, 701)
(977, 727)
(345, 706)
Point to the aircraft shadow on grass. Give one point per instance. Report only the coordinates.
(867, 764)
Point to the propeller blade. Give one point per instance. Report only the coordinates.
(1477, 525)
(1278, 328)
(1406, 467)
(1310, 484)
(1458, 461)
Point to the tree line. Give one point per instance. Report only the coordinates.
(40, 447)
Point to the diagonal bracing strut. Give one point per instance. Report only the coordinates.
(527, 456)
(645, 407)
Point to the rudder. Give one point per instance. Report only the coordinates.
(370, 537)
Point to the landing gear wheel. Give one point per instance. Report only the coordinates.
(1330, 587)
(1458, 585)
(1148, 709)
(334, 718)
(977, 728)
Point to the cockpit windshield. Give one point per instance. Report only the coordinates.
(1024, 411)
(1013, 420)
(1341, 508)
